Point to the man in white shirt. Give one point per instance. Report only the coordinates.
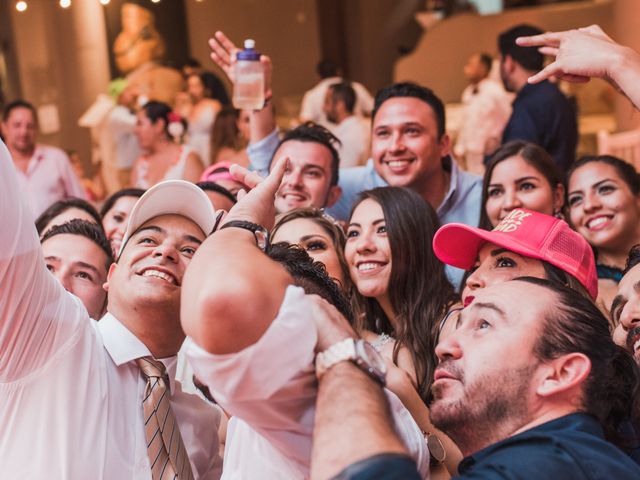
(255, 338)
(44, 172)
(487, 107)
(311, 107)
(72, 390)
(351, 130)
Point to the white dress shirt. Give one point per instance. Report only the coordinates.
(49, 178)
(70, 391)
(121, 124)
(312, 101)
(354, 135)
(487, 107)
(270, 389)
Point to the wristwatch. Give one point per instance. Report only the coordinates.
(259, 232)
(437, 453)
(357, 351)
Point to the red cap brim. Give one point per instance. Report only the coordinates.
(458, 245)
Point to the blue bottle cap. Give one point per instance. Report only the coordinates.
(249, 53)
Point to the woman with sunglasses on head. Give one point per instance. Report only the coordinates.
(401, 294)
(219, 173)
(520, 175)
(604, 207)
(321, 237)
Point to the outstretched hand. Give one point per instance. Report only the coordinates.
(257, 205)
(224, 53)
(579, 54)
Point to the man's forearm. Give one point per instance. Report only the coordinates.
(260, 153)
(626, 73)
(231, 292)
(353, 421)
(261, 123)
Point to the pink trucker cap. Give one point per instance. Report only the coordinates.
(527, 233)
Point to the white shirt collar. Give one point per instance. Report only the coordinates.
(124, 347)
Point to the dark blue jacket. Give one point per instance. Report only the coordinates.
(544, 116)
(571, 447)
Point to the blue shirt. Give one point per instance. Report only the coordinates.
(570, 447)
(544, 116)
(461, 204)
(384, 466)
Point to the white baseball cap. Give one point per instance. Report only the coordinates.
(171, 197)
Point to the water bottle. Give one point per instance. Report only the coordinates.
(248, 92)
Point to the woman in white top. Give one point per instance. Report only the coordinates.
(162, 158)
(201, 115)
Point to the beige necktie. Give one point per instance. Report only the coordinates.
(167, 455)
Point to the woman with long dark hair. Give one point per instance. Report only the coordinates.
(520, 175)
(604, 207)
(402, 292)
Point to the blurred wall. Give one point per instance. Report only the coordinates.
(377, 34)
(443, 50)
(287, 30)
(61, 54)
(10, 83)
(62, 61)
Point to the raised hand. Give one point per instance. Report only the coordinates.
(579, 54)
(257, 205)
(224, 53)
(330, 323)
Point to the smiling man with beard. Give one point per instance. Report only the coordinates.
(530, 385)
(82, 399)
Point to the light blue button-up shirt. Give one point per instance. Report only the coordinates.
(461, 204)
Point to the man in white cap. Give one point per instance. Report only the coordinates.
(82, 399)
